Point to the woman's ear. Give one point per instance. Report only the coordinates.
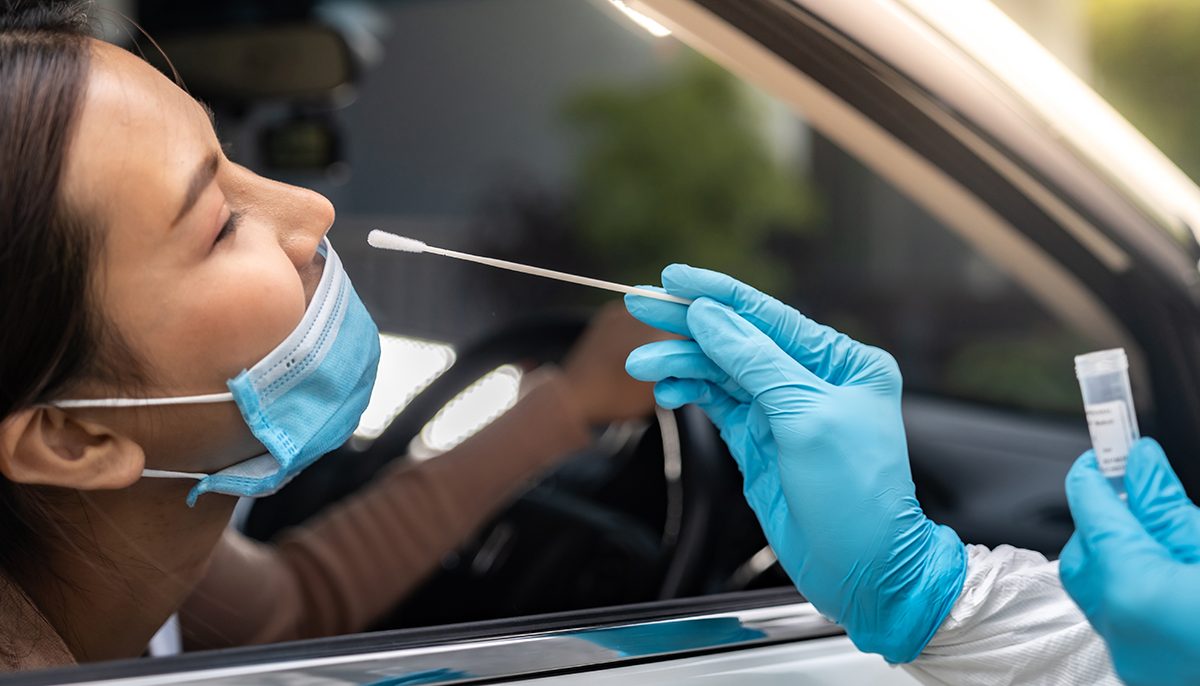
(47, 446)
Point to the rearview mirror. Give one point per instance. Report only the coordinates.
(294, 62)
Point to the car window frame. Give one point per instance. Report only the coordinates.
(486, 650)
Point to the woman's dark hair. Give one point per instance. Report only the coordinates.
(45, 252)
(51, 332)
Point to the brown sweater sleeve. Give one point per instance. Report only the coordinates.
(345, 568)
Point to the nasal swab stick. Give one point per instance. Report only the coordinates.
(390, 241)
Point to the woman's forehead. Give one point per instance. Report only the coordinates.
(138, 135)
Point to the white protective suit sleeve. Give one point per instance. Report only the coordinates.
(1013, 624)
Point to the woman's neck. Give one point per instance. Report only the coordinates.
(121, 562)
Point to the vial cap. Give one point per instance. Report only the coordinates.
(1101, 362)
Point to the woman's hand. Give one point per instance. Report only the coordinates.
(595, 368)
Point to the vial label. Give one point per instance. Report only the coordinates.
(1108, 423)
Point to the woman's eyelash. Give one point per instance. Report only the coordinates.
(230, 226)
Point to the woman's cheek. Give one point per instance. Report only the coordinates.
(243, 319)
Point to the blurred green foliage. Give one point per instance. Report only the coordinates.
(1146, 56)
(680, 170)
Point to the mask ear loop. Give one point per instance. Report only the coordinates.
(148, 402)
(168, 474)
(144, 402)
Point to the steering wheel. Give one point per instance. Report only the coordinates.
(620, 522)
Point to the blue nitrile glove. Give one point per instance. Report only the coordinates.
(813, 420)
(1134, 569)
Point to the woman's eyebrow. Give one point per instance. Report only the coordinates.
(200, 180)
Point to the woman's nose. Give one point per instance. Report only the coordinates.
(305, 218)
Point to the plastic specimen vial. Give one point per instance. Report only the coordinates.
(1108, 402)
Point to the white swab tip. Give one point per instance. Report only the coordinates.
(390, 241)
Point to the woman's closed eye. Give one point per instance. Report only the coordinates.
(229, 227)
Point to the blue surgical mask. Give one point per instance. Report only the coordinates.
(302, 400)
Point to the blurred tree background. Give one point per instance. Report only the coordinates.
(681, 167)
(1146, 61)
(682, 170)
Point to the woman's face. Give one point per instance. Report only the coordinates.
(205, 266)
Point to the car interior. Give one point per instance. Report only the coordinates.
(574, 139)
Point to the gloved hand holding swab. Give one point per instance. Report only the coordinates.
(390, 241)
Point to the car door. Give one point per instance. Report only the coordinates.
(943, 162)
